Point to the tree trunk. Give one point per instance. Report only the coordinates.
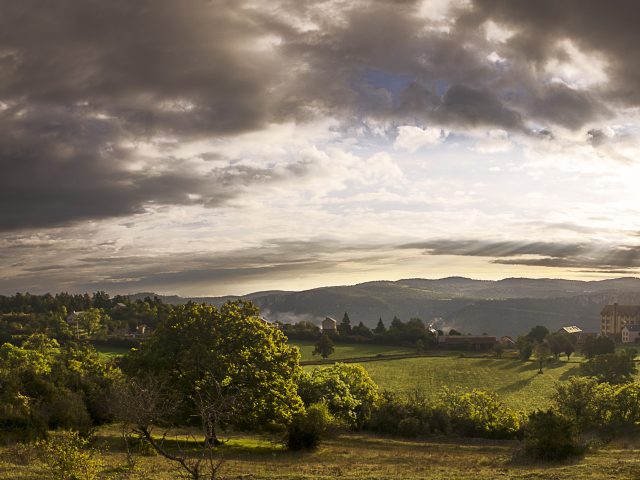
(210, 433)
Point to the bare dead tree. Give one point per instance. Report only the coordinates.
(214, 404)
(144, 407)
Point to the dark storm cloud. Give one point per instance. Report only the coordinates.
(60, 166)
(609, 29)
(155, 65)
(566, 107)
(82, 81)
(546, 254)
(465, 105)
(596, 137)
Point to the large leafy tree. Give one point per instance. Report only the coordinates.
(226, 360)
(598, 346)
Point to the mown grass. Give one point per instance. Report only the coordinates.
(517, 383)
(360, 456)
(345, 351)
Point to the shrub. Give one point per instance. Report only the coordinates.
(307, 430)
(577, 399)
(470, 414)
(479, 414)
(67, 410)
(348, 391)
(410, 427)
(525, 348)
(385, 418)
(67, 457)
(550, 436)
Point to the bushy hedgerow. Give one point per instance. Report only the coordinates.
(468, 414)
(601, 407)
(480, 414)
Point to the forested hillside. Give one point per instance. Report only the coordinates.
(504, 307)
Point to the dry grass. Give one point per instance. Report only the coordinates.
(360, 456)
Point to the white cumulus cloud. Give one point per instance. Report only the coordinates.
(412, 138)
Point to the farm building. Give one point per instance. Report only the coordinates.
(630, 334)
(614, 317)
(572, 330)
(329, 325)
(507, 342)
(467, 342)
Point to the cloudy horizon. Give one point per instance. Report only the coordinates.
(224, 147)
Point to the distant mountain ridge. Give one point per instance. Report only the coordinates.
(497, 307)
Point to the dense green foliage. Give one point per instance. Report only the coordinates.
(611, 367)
(309, 428)
(44, 385)
(347, 390)
(100, 316)
(479, 414)
(473, 413)
(598, 346)
(550, 436)
(228, 357)
(599, 406)
(324, 346)
(68, 457)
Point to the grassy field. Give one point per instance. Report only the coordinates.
(517, 383)
(344, 351)
(358, 456)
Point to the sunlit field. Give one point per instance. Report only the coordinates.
(356, 456)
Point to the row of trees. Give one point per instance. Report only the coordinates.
(409, 333)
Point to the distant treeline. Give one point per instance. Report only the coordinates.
(412, 333)
(102, 316)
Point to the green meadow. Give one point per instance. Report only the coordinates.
(346, 351)
(517, 383)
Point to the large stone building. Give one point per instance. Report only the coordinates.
(614, 317)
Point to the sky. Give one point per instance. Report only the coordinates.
(222, 147)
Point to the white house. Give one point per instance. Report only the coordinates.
(631, 334)
(329, 325)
